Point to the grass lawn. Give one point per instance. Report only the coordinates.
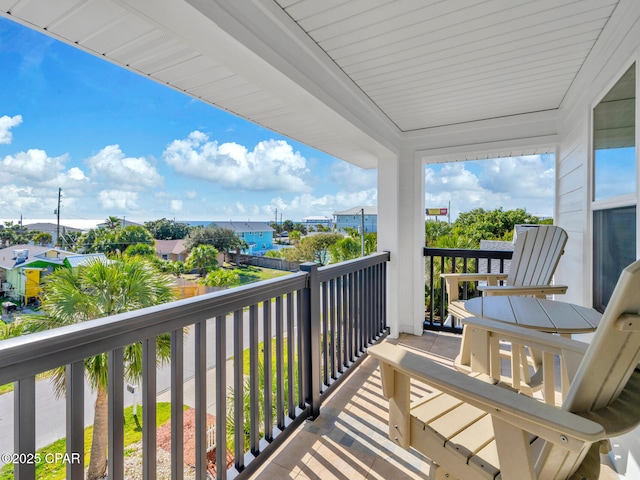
(58, 471)
(252, 274)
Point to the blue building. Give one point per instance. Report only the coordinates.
(258, 235)
(352, 218)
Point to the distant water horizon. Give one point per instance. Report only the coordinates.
(87, 224)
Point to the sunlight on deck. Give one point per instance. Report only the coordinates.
(349, 440)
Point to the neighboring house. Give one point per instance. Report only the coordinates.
(173, 250)
(52, 228)
(313, 221)
(75, 261)
(123, 223)
(23, 267)
(258, 235)
(352, 218)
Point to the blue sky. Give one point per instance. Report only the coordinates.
(120, 144)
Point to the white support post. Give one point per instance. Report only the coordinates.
(401, 232)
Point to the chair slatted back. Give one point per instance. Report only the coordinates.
(603, 374)
(536, 256)
(614, 351)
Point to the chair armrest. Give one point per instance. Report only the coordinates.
(539, 290)
(474, 277)
(452, 281)
(546, 421)
(543, 341)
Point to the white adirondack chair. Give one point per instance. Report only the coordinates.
(535, 258)
(472, 429)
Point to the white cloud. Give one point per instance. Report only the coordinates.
(175, 206)
(307, 205)
(112, 166)
(118, 200)
(36, 168)
(519, 182)
(6, 123)
(532, 175)
(271, 166)
(350, 178)
(191, 194)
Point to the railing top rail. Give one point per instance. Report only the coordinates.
(31, 354)
(344, 268)
(467, 253)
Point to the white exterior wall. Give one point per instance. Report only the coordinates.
(618, 49)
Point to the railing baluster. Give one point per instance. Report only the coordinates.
(360, 313)
(351, 326)
(201, 399)
(149, 408)
(280, 364)
(302, 379)
(221, 397)
(24, 439)
(115, 401)
(254, 406)
(238, 388)
(339, 324)
(324, 314)
(268, 370)
(332, 327)
(431, 256)
(177, 402)
(291, 343)
(75, 420)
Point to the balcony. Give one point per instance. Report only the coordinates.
(321, 321)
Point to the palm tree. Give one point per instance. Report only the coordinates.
(97, 290)
(203, 258)
(112, 222)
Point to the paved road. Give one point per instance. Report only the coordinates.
(50, 410)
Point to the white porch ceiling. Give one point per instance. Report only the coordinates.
(359, 79)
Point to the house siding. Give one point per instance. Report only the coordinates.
(616, 51)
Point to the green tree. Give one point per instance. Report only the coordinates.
(97, 290)
(140, 249)
(115, 240)
(223, 239)
(287, 225)
(203, 258)
(42, 238)
(221, 278)
(164, 229)
(294, 236)
(314, 248)
(344, 249)
(112, 222)
(480, 224)
(433, 230)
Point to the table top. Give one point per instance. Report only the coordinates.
(539, 314)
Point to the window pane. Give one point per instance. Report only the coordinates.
(614, 139)
(614, 247)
